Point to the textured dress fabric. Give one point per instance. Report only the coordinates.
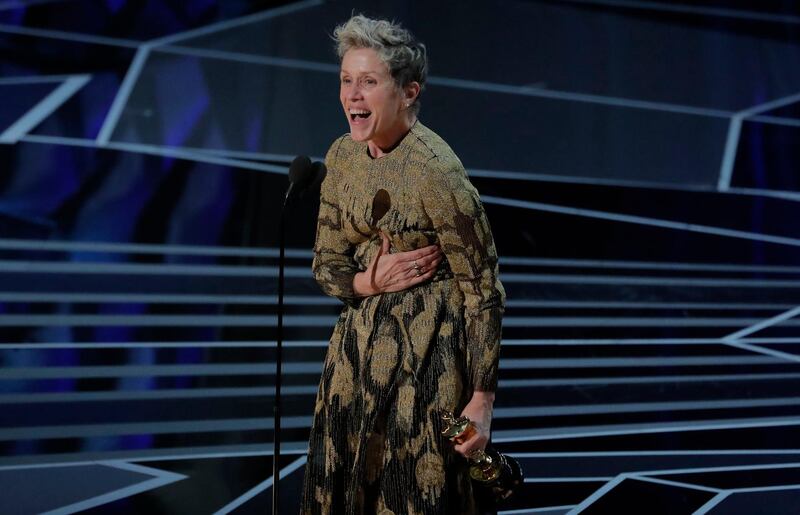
(397, 360)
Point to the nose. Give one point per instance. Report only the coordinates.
(352, 92)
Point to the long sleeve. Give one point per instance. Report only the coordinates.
(333, 265)
(458, 217)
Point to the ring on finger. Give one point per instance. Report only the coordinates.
(417, 271)
(416, 266)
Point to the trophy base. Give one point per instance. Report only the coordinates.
(494, 493)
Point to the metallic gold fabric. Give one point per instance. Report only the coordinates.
(396, 360)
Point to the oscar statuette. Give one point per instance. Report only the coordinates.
(493, 473)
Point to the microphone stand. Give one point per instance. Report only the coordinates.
(302, 174)
(276, 452)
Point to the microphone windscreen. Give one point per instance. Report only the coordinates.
(301, 173)
(319, 172)
(380, 205)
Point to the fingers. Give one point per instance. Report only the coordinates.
(420, 253)
(410, 278)
(423, 264)
(424, 271)
(410, 268)
(402, 270)
(428, 252)
(477, 442)
(429, 261)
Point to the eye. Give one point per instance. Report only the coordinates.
(345, 80)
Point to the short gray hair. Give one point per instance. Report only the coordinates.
(405, 57)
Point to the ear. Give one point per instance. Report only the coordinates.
(410, 92)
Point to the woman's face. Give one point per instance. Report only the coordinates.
(375, 107)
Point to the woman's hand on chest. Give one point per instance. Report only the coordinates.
(396, 272)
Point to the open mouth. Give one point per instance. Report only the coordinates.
(359, 115)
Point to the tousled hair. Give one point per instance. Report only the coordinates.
(405, 57)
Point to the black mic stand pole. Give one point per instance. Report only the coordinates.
(276, 453)
(301, 174)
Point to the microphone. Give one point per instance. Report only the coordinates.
(301, 174)
(319, 172)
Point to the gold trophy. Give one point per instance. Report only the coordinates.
(494, 473)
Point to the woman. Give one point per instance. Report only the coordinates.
(420, 331)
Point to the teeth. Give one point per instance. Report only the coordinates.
(359, 111)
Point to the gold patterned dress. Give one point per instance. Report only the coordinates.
(396, 360)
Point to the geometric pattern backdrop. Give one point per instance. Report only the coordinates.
(638, 162)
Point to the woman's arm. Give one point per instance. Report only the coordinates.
(465, 237)
(333, 265)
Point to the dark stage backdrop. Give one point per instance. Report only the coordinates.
(640, 165)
